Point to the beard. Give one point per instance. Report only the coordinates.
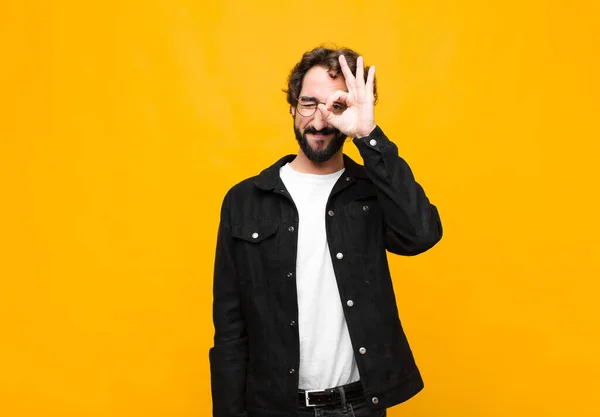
(321, 155)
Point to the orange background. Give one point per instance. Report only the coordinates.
(125, 122)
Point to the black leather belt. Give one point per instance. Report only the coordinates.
(330, 396)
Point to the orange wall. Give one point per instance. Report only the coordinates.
(124, 123)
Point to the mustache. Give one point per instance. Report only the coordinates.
(324, 131)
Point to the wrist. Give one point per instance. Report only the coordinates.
(366, 132)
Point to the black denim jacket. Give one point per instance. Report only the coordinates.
(371, 210)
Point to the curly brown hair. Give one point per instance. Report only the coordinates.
(328, 58)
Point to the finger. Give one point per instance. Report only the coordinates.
(350, 81)
(360, 72)
(370, 79)
(327, 115)
(336, 96)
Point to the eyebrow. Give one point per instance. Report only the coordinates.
(308, 98)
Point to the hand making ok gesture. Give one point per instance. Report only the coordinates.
(358, 119)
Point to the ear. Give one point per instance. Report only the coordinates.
(293, 111)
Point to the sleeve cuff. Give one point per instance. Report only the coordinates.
(376, 139)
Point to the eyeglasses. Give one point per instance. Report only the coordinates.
(307, 106)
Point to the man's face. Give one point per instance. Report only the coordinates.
(318, 140)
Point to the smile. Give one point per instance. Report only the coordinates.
(320, 135)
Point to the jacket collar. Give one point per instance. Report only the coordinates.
(269, 178)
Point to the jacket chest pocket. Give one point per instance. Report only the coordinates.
(364, 221)
(360, 205)
(362, 209)
(257, 251)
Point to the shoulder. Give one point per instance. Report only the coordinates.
(240, 190)
(267, 179)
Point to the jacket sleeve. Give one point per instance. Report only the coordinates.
(229, 356)
(412, 223)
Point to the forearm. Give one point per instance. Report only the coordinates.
(228, 364)
(412, 223)
(229, 356)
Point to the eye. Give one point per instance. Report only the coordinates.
(338, 107)
(309, 104)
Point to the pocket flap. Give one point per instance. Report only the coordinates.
(254, 233)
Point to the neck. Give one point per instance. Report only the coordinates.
(304, 165)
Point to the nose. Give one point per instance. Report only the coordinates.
(318, 120)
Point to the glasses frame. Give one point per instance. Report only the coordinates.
(316, 102)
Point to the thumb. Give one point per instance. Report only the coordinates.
(326, 114)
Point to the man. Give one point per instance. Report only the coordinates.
(305, 316)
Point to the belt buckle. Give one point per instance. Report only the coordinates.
(307, 392)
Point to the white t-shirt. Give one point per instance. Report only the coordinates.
(326, 354)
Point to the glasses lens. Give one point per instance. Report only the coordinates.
(306, 108)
